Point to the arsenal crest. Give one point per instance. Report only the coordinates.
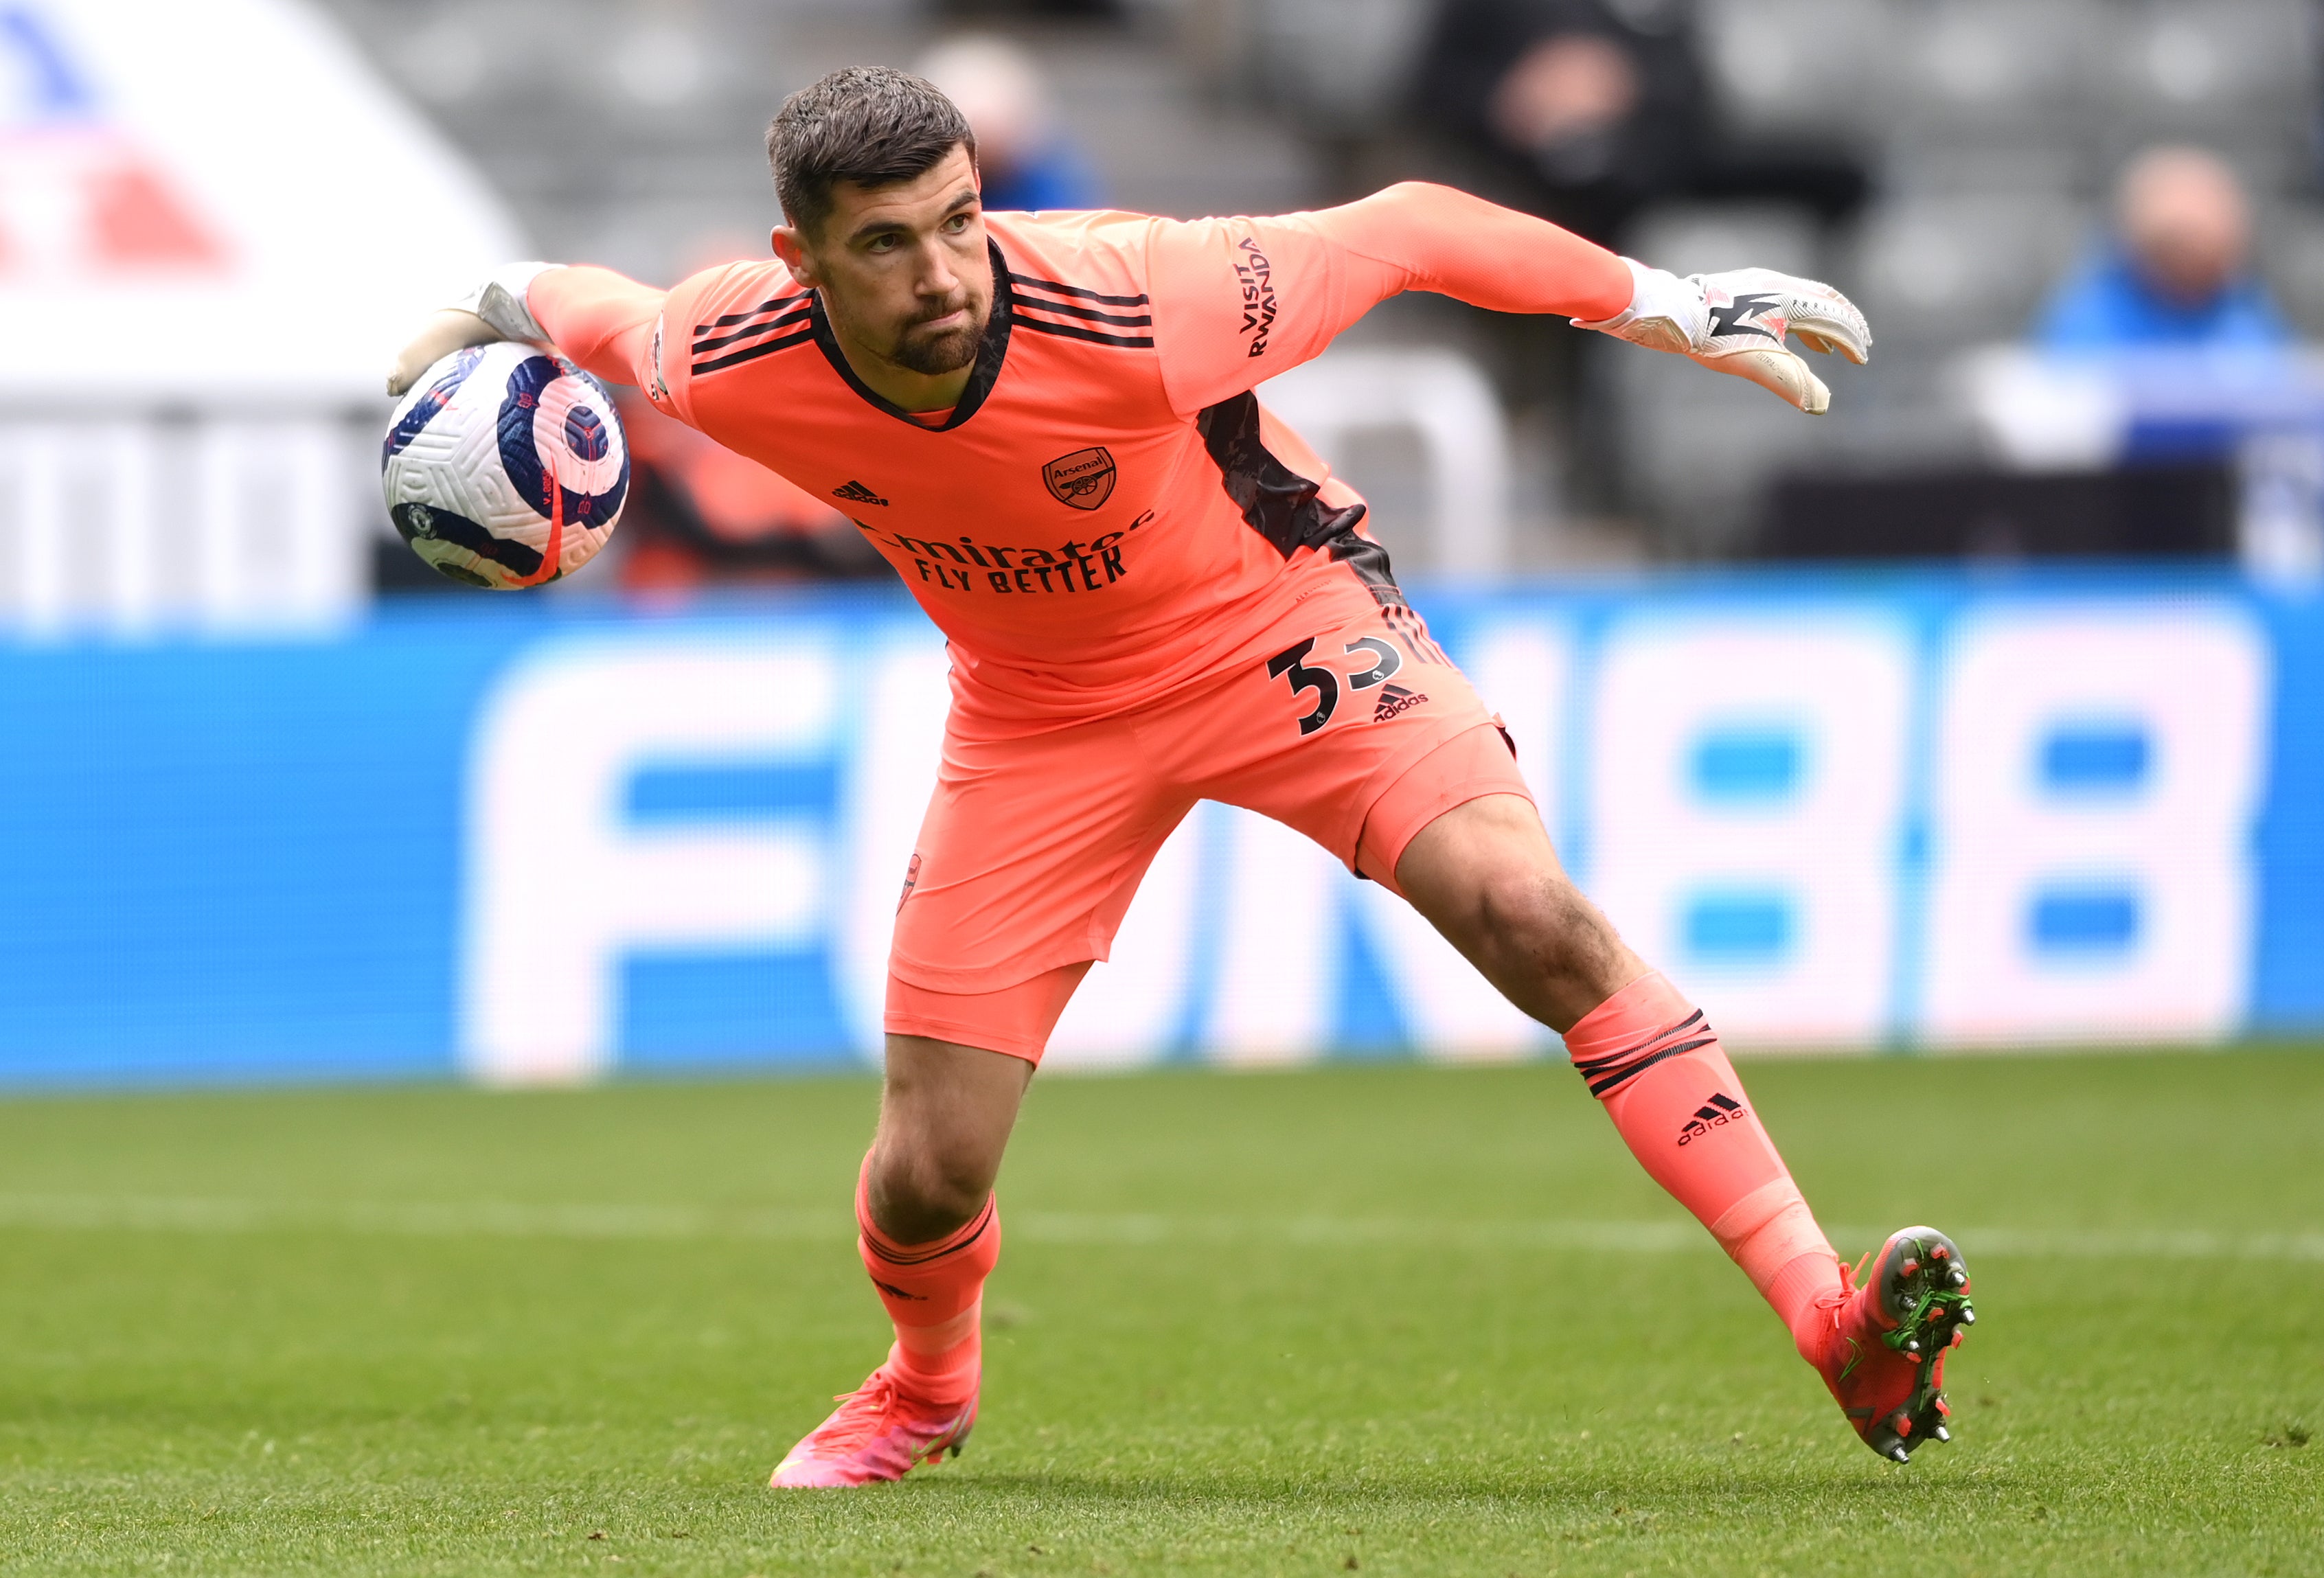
(1084, 479)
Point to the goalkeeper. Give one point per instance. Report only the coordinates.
(1154, 594)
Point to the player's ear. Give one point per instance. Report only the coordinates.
(790, 249)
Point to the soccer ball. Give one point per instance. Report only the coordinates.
(505, 466)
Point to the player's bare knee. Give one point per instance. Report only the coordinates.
(1544, 919)
(1521, 906)
(923, 1189)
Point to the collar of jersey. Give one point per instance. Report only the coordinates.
(990, 353)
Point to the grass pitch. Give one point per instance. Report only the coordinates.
(1393, 1320)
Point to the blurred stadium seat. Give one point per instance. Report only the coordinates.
(1444, 401)
(1985, 70)
(1341, 65)
(630, 135)
(2221, 68)
(1771, 86)
(1700, 238)
(2291, 260)
(1937, 269)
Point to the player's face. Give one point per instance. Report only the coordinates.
(903, 269)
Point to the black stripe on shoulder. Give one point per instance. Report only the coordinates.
(1066, 308)
(1057, 289)
(769, 305)
(765, 348)
(792, 319)
(1072, 331)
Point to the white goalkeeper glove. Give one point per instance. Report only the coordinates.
(1735, 322)
(494, 311)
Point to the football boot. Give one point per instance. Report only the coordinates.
(1884, 1351)
(877, 1432)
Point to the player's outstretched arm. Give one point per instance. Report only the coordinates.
(600, 320)
(1735, 322)
(1423, 237)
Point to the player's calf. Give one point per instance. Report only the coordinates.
(1655, 1063)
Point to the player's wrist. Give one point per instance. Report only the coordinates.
(502, 300)
(496, 309)
(1665, 312)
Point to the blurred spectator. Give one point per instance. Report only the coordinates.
(1598, 110)
(2176, 272)
(697, 512)
(1024, 159)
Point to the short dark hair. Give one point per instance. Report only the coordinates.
(872, 125)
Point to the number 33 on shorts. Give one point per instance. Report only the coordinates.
(1382, 663)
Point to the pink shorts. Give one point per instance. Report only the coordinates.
(1017, 1019)
(1357, 733)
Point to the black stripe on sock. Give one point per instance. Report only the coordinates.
(1612, 1059)
(967, 1236)
(1601, 1087)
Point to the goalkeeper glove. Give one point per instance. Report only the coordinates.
(1735, 322)
(494, 311)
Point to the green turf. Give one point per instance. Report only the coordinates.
(1401, 1320)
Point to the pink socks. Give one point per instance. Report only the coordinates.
(1646, 1052)
(1655, 1063)
(933, 1293)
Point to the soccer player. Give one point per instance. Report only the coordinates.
(1154, 594)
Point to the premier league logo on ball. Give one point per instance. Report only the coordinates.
(505, 466)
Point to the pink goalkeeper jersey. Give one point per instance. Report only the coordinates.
(1108, 512)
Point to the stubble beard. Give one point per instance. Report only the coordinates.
(933, 356)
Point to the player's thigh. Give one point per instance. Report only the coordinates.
(1483, 873)
(1462, 805)
(1025, 863)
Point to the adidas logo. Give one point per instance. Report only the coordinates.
(1720, 1108)
(1395, 699)
(855, 492)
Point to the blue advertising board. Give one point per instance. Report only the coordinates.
(543, 840)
